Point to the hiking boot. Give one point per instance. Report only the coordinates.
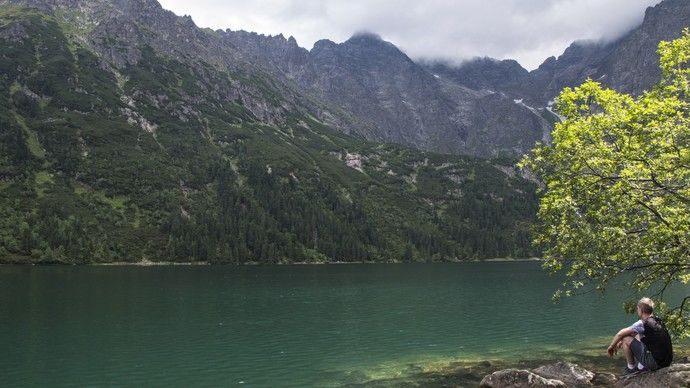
(627, 371)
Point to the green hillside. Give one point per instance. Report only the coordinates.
(159, 161)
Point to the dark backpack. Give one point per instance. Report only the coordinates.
(658, 341)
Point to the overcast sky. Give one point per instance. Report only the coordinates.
(526, 30)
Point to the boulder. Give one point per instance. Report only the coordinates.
(571, 374)
(604, 379)
(518, 378)
(565, 374)
(675, 376)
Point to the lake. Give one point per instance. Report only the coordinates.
(301, 325)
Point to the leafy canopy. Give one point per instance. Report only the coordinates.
(617, 186)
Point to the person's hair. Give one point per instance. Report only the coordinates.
(646, 305)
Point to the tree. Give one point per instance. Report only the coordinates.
(616, 200)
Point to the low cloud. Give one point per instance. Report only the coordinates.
(528, 31)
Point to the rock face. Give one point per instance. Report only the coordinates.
(630, 64)
(482, 73)
(564, 374)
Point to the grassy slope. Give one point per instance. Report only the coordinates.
(150, 164)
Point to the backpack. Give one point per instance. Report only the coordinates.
(658, 341)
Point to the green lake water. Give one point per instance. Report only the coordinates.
(321, 325)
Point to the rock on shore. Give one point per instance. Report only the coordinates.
(565, 374)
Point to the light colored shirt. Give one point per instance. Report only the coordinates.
(638, 327)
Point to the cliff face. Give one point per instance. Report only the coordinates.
(482, 73)
(629, 65)
(632, 65)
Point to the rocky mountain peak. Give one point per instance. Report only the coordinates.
(365, 38)
(629, 64)
(292, 41)
(323, 44)
(665, 8)
(580, 49)
(372, 43)
(548, 63)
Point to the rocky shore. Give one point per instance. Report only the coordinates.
(565, 374)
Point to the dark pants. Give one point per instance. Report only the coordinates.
(643, 355)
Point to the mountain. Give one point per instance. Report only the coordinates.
(396, 100)
(629, 64)
(482, 107)
(129, 134)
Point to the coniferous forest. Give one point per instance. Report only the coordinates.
(165, 161)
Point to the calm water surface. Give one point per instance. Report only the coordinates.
(283, 325)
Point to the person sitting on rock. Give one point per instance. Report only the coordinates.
(646, 342)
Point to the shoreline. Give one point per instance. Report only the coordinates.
(148, 263)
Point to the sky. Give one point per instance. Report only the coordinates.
(528, 31)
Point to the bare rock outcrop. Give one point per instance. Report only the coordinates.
(518, 378)
(675, 376)
(564, 374)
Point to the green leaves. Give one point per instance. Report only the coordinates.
(674, 57)
(617, 181)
